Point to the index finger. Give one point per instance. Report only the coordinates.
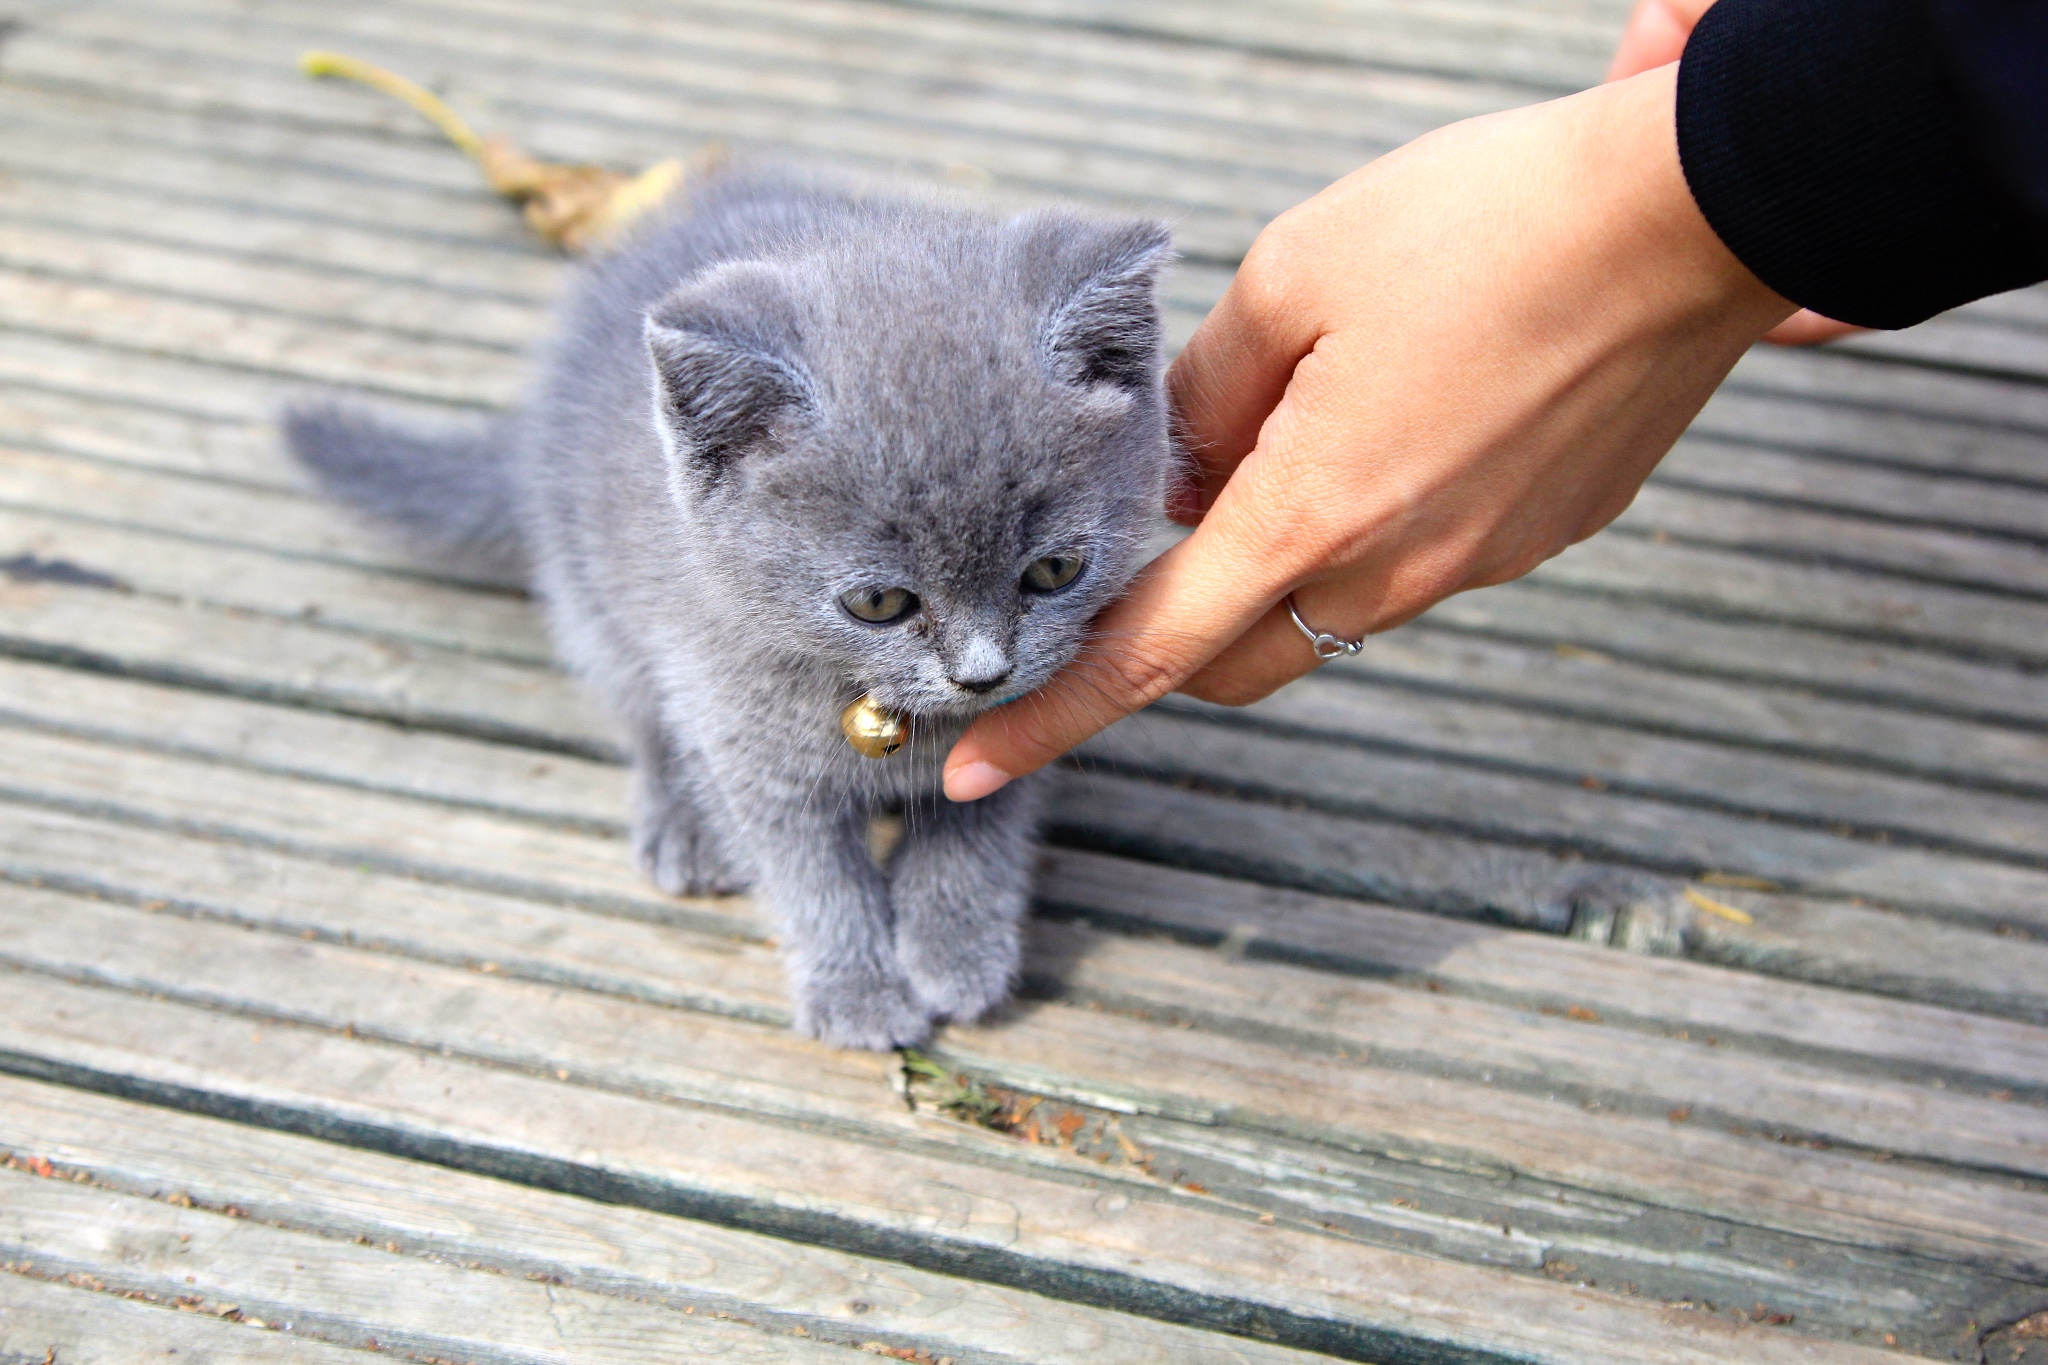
(1184, 608)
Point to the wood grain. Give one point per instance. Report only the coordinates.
(418, 1210)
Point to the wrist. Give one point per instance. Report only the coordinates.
(1620, 146)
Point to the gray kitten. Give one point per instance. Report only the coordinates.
(797, 442)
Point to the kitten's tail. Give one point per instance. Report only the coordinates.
(449, 491)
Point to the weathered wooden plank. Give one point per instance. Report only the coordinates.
(183, 567)
(1979, 625)
(463, 926)
(619, 124)
(650, 1071)
(350, 1295)
(619, 956)
(394, 252)
(91, 376)
(261, 287)
(423, 1210)
(1114, 1240)
(1830, 942)
(1832, 665)
(560, 71)
(89, 866)
(189, 971)
(1582, 752)
(426, 1210)
(290, 172)
(1540, 971)
(1549, 49)
(1727, 519)
(275, 658)
(1949, 445)
(550, 787)
(43, 1321)
(866, 58)
(539, 1027)
(58, 423)
(846, 89)
(1353, 158)
(1860, 947)
(1073, 63)
(1548, 1056)
(1851, 1288)
(1582, 684)
(466, 846)
(1887, 393)
(1986, 345)
(282, 520)
(1349, 840)
(1830, 376)
(287, 349)
(1917, 498)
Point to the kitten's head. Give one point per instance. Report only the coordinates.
(925, 447)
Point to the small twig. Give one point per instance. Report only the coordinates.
(577, 208)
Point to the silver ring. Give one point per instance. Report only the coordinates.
(1326, 645)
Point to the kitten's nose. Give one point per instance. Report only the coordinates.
(981, 667)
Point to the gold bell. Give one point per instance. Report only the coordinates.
(873, 729)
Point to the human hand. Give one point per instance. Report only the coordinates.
(1655, 36)
(1433, 376)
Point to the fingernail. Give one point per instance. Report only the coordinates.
(972, 781)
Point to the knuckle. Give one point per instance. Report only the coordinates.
(1267, 277)
(1145, 673)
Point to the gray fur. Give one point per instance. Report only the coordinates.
(445, 491)
(781, 392)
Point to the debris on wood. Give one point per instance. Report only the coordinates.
(577, 208)
(1721, 908)
(2034, 1328)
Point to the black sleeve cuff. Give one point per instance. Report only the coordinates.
(1827, 146)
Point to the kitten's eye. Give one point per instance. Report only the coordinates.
(879, 606)
(1051, 573)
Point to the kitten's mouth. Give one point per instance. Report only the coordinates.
(953, 706)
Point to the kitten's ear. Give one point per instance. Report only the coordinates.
(1103, 326)
(726, 350)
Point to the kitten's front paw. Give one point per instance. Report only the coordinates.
(873, 1012)
(678, 855)
(957, 978)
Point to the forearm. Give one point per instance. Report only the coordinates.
(1840, 150)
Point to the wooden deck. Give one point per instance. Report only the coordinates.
(333, 1014)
